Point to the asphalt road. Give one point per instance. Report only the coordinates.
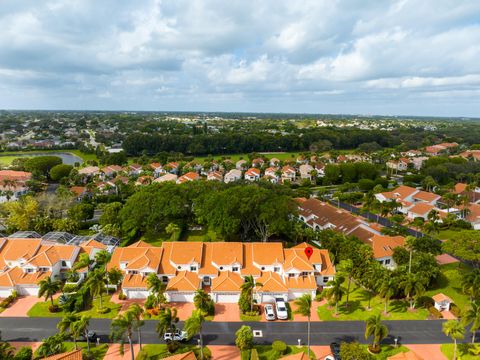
(223, 333)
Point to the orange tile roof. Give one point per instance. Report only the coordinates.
(186, 252)
(441, 297)
(227, 282)
(136, 258)
(184, 281)
(383, 245)
(15, 175)
(460, 188)
(70, 355)
(421, 208)
(426, 196)
(271, 282)
(302, 282)
(78, 190)
(136, 281)
(16, 249)
(297, 259)
(206, 266)
(268, 253)
(248, 267)
(252, 172)
(227, 253)
(16, 276)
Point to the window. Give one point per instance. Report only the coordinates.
(262, 268)
(64, 263)
(305, 273)
(291, 275)
(387, 262)
(221, 267)
(193, 268)
(134, 272)
(179, 267)
(325, 279)
(235, 268)
(28, 270)
(276, 269)
(43, 269)
(165, 279)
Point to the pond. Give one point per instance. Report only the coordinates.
(67, 158)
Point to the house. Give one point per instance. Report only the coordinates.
(172, 167)
(271, 174)
(189, 176)
(473, 216)
(383, 246)
(442, 302)
(398, 165)
(134, 169)
(306, 171)
(144, 180)
(166, 177)
(24, 262)
(88, 172)
(110, 171)
(418, 162)
(274, 162)
(258, 162)
(220, 268)
(80, 192)
(232, 175)
(319, 215)
(252, 174)
(158, 169)
(471, 155)
(288, 173)
(13, 184)
(435, 150)
(215, 175)
(422, 210)
(408, 197)
(412, 153)
(241, 164)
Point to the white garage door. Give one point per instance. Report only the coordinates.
(136, 294)
(292, 295)
(27, 290)
(5, 293)
(227, 298)
(270, 297)
(181, 297)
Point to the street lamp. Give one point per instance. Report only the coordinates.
(396, 342)
(299, 342)
(198, 342)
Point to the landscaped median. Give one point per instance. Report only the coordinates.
(41, 309)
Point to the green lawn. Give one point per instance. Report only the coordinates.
(387, 351)
(159, 351)
(188, 235)
(250, 318)
(7, 157)
(235, 157)
(98, 352)
(450, 282)
(358, 304)
(40, 309)
(464, 351)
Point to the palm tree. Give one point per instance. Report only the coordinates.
(167, 321)
(409, 245)
(249, 286)
(375, 327)
(83, 261)
(471, 284)
(193, 326)
(472, 316)
(7, 351)
(304, 307)
(346, 268)
(387, 290)
(412, 286)
(96, 284)
(48, 288)
(137, 312)
(157, 287)
(102, 257)
(456, 331)
(122, 326)
(334, 292)
(81, 327)
(68, 322)
(172, 229)
(202, 301)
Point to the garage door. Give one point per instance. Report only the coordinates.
(180, 297)
(5, 293)
(27, 290)
(227, 298)
(136, 294)
(292, 295)
(270, 297)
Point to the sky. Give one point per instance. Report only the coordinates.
(405, 57)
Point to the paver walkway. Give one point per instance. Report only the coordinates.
(20, 306)
(445, 259)
(428, 351)
(448, 315)
(220, 352)
(125, 303)
(113, 352)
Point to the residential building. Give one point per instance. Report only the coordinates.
(398, 165)
(13, 184)
(220, 268)
(258, 162)
(274, 162)
(408, 197)
(288, 173)
(306, 171)
(252, 174)
(215, 176)
(232, 175)
(383, 246)
(189, 176)
(241, 164)
(166, 177)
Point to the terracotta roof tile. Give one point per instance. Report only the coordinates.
(184, 281)
(227, 281)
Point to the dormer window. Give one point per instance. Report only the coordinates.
(262, 268)
(179, 267)
(276, 269)
(64, 263)
(305, 273)
(43, 269)
(291, 275)
(234, 268)
(29, 270)
(193, 268)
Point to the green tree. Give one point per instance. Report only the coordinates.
(111, 214)
(60, 171)
(67, 225)
(21, 214)
(48, 288)
(96, 283)
(472, 316)
(387, 289)
(244, 338)
(354, 351)
(304, 308)
(83, 261)
(173, 230)
(81, 327)
(68, 326)
(167, 321)
(42, 164)
(465, 245)
(346, 269)
(7, 351)
(203, 302)
(375, 328)
(471, 284)
(157, 288)
(51, 346)
(454, 330)
(193, 326)
(24, 353)
(81, 212)
(137, 312)
(334, 291)
(412, 287)
(249, 287)
(122, 326)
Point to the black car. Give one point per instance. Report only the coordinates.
(335, 349)
(92, 336)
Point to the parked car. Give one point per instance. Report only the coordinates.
(92, 336)
(281, 308)
(178, 335)
(269, 312)
(335, 349)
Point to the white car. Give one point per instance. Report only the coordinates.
(176, 336)
(269, 312)
(281, 308)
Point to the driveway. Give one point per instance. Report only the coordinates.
(113, 352)
(184, 310)
(20, 307)
(126, 303)
(226, 312)
(314, 313)
(428, 351)
(320, 351)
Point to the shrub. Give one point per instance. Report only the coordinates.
(54, 308)
(173, 346)
(70, 288)
(254, 355)
(279, 347)
(103, 310)
(122, 296)
(424, 302)
(7, 301)
(25, 353)
(434, 312)
(455, 310)
(374, 349)
(149, 302)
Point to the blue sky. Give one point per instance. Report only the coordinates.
(320, 56)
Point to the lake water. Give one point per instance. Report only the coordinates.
(67, 158)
